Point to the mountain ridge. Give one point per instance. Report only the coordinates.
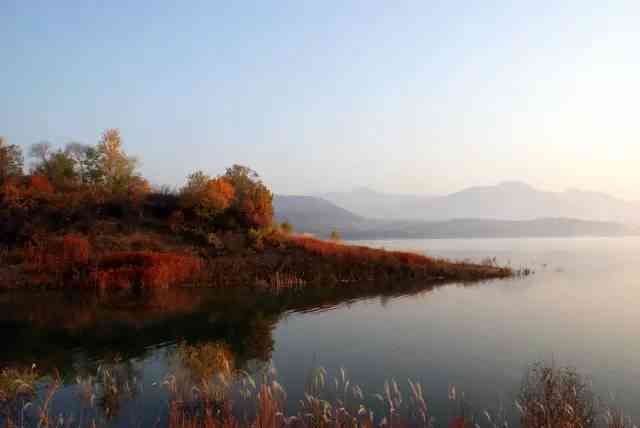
(507, 200)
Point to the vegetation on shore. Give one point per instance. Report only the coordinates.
(206, 389)
(84, 217)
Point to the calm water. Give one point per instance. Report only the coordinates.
(581, 308)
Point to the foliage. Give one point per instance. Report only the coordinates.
(11, 160)
(176, 220)
(57, 166)
(286, 227)
(253, 204)
(335, 236)
(105, 165)
(58, 258)
(116, 168)
(206, 197)
(145, 269)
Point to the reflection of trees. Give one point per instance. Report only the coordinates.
(41, 328)
(112, 383)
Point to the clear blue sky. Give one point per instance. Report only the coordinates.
(412, 97)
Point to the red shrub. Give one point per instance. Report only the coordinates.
(39, 183)
(356, 253)
(75, 250)
(59, 255)
(147, 269)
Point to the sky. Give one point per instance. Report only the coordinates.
(318, 96)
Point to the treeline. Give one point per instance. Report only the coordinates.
(72, 185)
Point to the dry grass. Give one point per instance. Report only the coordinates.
(207, 391)
(556, 398)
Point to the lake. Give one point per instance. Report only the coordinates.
(580, 308)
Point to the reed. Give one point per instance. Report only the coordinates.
(207, 391)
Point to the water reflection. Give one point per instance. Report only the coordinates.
(69, 331)
(179, 345)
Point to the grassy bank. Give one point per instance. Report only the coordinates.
(270, 260)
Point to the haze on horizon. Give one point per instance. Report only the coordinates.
(417, 97)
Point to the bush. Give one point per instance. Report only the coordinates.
(59, 255)
(286, 227)
(145, 269)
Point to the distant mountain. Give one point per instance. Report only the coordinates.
(485, 228)
(370, 203)
(318, 216)
(506, 201)
(314, 215)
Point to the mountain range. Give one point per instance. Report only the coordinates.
(509, 209)
(510, 200)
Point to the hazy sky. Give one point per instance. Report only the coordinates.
(413, 97)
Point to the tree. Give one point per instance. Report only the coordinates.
(11, 160)
(40, 151)
(257, 207)
(57, 166)
(116, 169)
(87, 162)
(335, 236)
(207, 197)
(253, 203)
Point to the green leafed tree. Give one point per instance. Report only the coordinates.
(57, 166)
(11, 160)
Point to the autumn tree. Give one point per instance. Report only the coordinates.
(116, 170)
(11, 160)
(205, 196)
(253, 204)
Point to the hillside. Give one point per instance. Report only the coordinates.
(318, 216)
(507, 201)
(311, 213)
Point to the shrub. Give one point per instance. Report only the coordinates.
(145, 269)
(59, 256)
(39, 184)
(286, 227)
(75, 250)
(176, 220)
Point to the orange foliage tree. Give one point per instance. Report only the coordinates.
(207, 197)
(253, 202)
